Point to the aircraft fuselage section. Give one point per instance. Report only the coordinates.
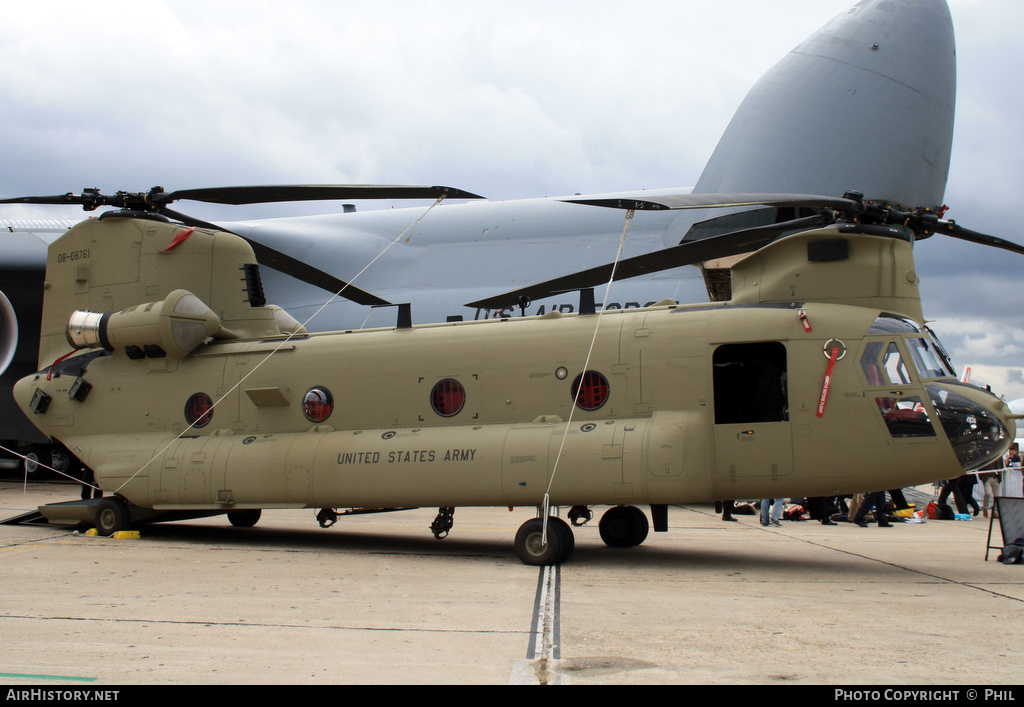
(677, 404)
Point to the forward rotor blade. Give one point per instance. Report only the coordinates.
(310, 192)
(949, 228)
(90, 199)
(68, 198)
(687, 253)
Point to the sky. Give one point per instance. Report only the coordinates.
(505, 99)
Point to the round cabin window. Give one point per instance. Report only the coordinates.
(199, 410)
(448, 397)
(590, 390)
(318, 404)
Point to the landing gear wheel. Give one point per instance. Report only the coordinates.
(37, 459)
(643, 527)
(60, 461)
(244, 518)
(530, 546)
(623, 526)
(112, 515)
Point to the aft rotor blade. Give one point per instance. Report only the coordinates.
(271, 258)
(715, 201)
(686, 253)
(311, 192)
(300, 270)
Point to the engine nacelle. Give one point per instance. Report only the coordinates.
(173, 327)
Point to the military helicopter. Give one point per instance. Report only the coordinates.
(164, 370)
(873, 92)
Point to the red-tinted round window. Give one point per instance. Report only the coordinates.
(318, 404)
(448, 397)
(199, 410)
(590, 390)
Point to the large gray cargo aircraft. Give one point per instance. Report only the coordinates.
(865, 103)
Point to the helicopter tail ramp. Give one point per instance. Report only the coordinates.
(28, 518)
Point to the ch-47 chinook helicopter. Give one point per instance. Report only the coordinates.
(164, 371)
(867, 100)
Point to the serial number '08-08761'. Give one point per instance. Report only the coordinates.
(73, 256)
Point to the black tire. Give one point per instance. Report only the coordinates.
(112, 515)
(244, 518)
(623, 526)
(568, 537)
(643, 526)
(531, 549)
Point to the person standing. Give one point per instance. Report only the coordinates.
(727, 508)
(966, 484)
(771, 511)
(991, 478)
(874, 499)
(953, 486)
(822, 508)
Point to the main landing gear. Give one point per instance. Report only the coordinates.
(623, 526)
(112, 515)
(245, 518)
(532, 548)
(620, 526)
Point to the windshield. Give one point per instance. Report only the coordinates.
(929, 359)
(941, 351)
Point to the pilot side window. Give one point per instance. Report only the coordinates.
(894, 364)
(904, 414)
(883, 364)
(750, 383)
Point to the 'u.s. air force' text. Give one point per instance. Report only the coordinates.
(408, 456)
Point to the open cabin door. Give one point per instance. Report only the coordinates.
(753, 435)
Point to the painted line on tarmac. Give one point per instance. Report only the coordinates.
(544, 650)
(28, 676)
(546, 625)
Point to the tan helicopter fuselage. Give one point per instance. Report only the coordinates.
(768, 395)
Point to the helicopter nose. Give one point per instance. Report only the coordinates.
(979, 425)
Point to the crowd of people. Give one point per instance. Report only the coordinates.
(856, 508)
(826, 510)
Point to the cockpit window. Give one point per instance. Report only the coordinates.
(905, 416)
(929, 358)
(976, 434)
(886, 366)
(869, 362)
(929, 361)
(883, 364)
(941, 351)
(895, 366)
